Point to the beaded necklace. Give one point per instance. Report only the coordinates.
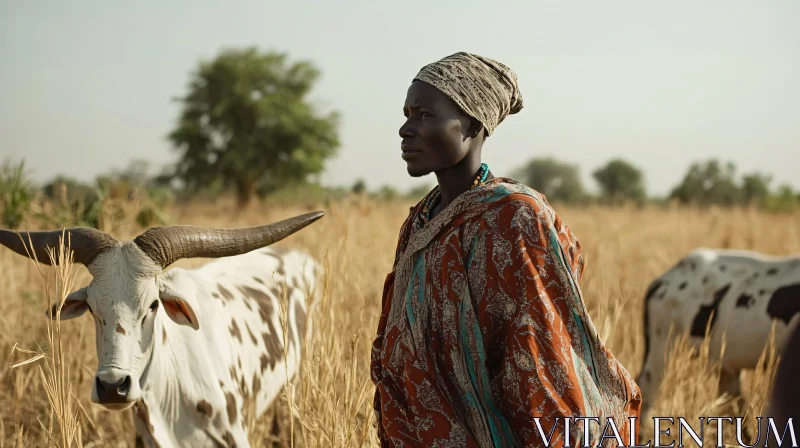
(480, 178)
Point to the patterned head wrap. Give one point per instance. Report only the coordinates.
(483, 88)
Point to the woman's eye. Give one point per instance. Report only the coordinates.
(425, 114)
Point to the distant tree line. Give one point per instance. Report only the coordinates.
(705, 183)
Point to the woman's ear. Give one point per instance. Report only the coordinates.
(475, 128)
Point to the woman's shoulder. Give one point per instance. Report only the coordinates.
(510, 195)
(526, 211)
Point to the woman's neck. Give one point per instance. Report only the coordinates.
(457, 179)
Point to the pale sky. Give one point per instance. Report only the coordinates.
(87, 86)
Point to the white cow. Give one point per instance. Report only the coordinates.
(191, 376)
(737, 293)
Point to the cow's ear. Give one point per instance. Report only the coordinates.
(74, 306)
(178, 309)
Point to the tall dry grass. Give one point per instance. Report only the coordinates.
(46, 402)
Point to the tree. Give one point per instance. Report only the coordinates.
(708, 183)
(620, 181)
(556, 180)
(247, 123)
(359, 187)
(755, 188)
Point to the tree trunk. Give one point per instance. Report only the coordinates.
(245, 190)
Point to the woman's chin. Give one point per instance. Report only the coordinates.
(416, 171)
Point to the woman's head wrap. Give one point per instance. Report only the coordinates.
(483, 88)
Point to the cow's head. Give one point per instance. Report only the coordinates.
(126, 294)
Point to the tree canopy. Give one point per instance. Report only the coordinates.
(558, 181)
(708, 182)
(246, 123)
(620, 181)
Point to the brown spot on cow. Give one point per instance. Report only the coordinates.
(215, 295)
(163, 335)
(228, 438)
(120, 330)
(230, 407)
(232, 371)
(240, 363)
(234, 329)
(259, 280)
(300, 319)
(262, 299)
(204, 408)
(250, 332)
(264, 362)
(225, 293)
(243, 388)
(271, 343)
(256, 384)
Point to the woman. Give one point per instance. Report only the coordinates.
(483, 326)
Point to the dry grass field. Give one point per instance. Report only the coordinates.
(46, 402)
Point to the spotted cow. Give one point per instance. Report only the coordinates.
(735, 294)
(192, 351)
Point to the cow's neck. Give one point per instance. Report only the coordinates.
(161, 388)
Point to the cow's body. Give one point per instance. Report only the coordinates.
(737, 293)
(195, 389)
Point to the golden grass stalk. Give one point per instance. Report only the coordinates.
(54, 370)
(288, 389)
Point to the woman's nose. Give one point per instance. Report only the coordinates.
(407, 131)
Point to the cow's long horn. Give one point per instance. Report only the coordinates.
(167, 244)
(86, 243)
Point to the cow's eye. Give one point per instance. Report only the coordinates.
(153, 307)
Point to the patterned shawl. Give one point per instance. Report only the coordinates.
(483, 328)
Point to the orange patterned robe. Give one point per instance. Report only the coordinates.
(483, 328)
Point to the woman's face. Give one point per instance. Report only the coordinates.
(436, 134)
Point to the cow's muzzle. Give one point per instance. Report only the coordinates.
(108, 393)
